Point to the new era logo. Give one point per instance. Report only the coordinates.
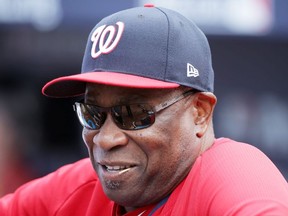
(192, 71)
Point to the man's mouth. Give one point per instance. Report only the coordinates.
(119, 169)
(117, 174)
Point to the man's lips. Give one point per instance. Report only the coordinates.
(116, 167)
(120, 169)
(118, 174)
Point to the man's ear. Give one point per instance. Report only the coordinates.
(204, 103)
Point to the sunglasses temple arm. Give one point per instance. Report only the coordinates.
(173, 100)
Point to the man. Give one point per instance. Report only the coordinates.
(147, 81)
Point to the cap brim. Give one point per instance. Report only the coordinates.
(74, 85)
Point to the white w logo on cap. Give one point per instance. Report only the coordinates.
(106, 38)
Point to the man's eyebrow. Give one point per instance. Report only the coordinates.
(146, 96)
(132, 98)
(129, 98)
(90, 99)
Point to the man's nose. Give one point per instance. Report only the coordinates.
(110, 136)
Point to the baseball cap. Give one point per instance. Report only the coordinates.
(141, 47)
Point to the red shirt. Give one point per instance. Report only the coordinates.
(230, 178)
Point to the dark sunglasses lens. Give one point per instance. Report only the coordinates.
(91, 117)
(133, 117)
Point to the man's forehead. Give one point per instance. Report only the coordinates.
(124, 93)
(100, 88)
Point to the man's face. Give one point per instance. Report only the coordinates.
(140, 167)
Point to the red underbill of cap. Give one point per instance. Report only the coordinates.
(74, 85)
(149, 5)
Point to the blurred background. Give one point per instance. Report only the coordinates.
(44, 39)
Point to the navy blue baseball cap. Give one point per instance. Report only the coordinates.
(142, 47)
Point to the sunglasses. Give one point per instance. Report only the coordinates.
(127, 117)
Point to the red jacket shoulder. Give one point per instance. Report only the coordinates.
(44, 196)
